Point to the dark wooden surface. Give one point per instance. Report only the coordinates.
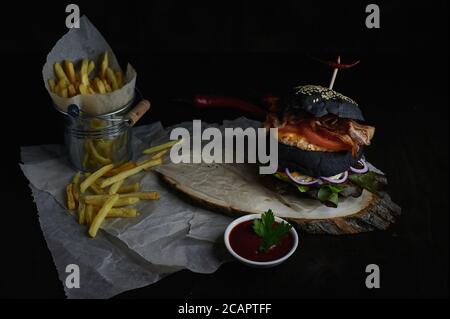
(401, 84)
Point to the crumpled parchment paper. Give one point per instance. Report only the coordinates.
(88, 43)
(169, 235)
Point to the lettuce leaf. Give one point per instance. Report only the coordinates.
(329, 193)
(371, 181)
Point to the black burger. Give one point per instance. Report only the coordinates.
(321, 140)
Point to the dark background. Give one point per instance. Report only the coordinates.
(247, 50)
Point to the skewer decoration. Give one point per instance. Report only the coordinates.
(335, 71)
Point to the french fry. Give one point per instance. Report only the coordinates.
(78, 78)
(126, 201)
(109, 149)
(161, 147)
(100, 86)
(70, 198)
(63, 84)
(124, 167)
(122, 212)
(90, 214)
(85, 160)
(115, 212)
(99, 200)
(115, 187)
(51, 85)
(81, 212)
(60, 72)
(107, 86)
(119, 77)
(76, 186)
(102, 213)
(154, 157)
(57, 89)
(96, 189)
(94, 176)
(66, 77)
(91, 67)
(111, 180)
(99, 158)
(142, 195)
(104, 66)
(111, 77)
(159, 154)
(70, 71)
(64, 93)
(103, 147)
(96, 199)
(132, 188)
(97, 123)
(121, 168)
(72, 90)
(91, 90)
(84, 72)
(83, 89)
(76, 178)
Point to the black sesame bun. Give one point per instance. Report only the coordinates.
(320, 101)
(316, 101)
(315, 164)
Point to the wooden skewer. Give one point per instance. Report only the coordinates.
(335, 74)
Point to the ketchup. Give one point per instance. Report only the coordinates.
(245, 242)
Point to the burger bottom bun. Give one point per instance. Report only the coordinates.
(315, 164)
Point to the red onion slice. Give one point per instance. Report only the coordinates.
(300, 181)
(338, 179)
(360, 170)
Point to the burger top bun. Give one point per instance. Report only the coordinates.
(319, 101)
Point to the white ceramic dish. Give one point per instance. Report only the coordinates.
(258, 264)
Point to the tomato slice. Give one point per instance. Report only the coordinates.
(316, 138)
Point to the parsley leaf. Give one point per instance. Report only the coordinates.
(266, 229)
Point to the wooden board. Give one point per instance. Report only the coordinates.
(238, 190)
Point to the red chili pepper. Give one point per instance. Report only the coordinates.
(209, 101)
(335, 65)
